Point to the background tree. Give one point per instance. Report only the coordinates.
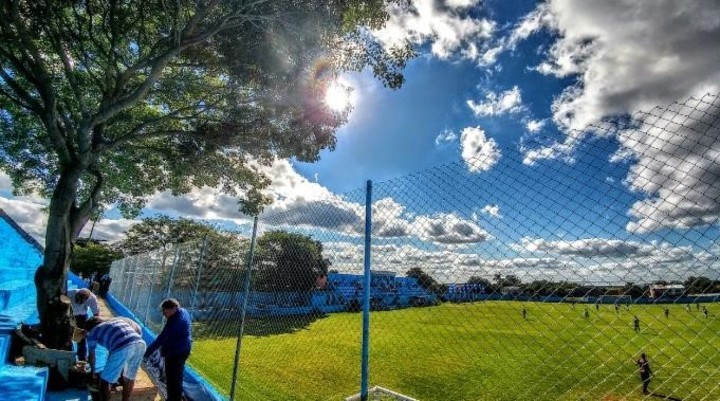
(92, 257)
(159, 233)
(104, 102)
(288, 262)
(426, 281)
(698, 285)
(220, 255)
(482, 281)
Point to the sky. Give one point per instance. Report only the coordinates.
(560, 139)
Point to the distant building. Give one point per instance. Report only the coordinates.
(666, 290)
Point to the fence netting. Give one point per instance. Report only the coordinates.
(541, 271)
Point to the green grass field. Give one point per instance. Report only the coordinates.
(477, 351)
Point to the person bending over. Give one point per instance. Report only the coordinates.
(126, 349)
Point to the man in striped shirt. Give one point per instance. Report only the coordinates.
(126, 348)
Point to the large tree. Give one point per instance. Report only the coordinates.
(90, 257)
(162, 232)
(104, 102)
(288, 262)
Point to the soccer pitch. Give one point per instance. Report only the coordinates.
(477, 351)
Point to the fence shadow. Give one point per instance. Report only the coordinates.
(269, 326)
(665, 397)
(256, 326)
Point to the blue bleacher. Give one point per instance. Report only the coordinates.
(20, 256)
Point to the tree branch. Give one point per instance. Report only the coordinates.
(44, 87)
(80, 215)
(135, 132)
(33, 104)
(75, 85)
(15, 100)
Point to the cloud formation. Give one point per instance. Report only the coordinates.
(496, 104)
(479, 152)
(449, 229)
(534, 126)
(31, 216)
(492, 210)
(590, 247)
(445, 137)
(630, 57)
(587, 261)
(449, 28)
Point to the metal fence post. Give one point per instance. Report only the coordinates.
(246, 294)
(366, 296)
(172, 271)
(152, 286)
(197, 275)
(131, 281)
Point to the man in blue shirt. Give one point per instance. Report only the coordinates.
(126, 348)
(175, 342)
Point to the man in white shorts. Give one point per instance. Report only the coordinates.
(126, 348)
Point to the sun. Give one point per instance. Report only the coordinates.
(339, 96)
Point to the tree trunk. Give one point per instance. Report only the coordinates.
(50, 279)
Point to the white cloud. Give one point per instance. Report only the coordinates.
(462, 3)
(492, 210)
(448, 229)
(633, 56)
(5, 182)
(534, 126)
(479, 152)
(588, 261)
(677, 167)
(496, 104)
(531, 23)
(30, 215)
(591, 247)
(489, 56)
(449, 29)
(109, 230)
(445, 137)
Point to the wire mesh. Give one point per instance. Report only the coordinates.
(532, 272)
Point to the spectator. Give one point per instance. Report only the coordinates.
(95, 283)
(645, 372)
(81, 300)
(105, 281)
(126, 348)
(175, 343)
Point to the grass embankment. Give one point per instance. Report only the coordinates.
(478, 351)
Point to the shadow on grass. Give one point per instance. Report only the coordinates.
(258, 326)
(665, 397)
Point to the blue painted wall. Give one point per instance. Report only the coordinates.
(20, 256)
(19, 253)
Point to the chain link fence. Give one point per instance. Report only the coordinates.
(538, 272)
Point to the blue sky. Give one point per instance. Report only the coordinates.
(498, 103)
